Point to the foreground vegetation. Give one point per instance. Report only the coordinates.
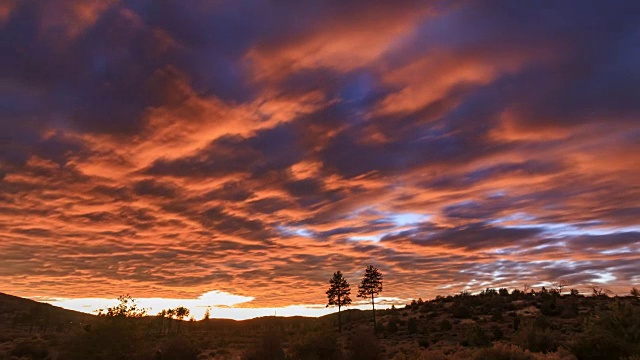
(495, 324)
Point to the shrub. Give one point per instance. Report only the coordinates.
(178, 348)
(551, 307)
(598, 345)
(535, 339)
(497, 333)
(317, 346)
(461, 311)
(34, 349)
(496, 316)
(516, 323)
(392, 326)
(614, 333)
(270, 347)
(412, 326)
(445, 325)
(477, 337)
(364, 346)
(107, 338)
(504, 352)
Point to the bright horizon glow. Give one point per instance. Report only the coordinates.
(221, 305)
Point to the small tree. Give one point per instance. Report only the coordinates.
(371, 285)
(162, 315)
(559, 286)
(181, 313)
(170, 313)
(338, 294)
(126, 307)
(207, 314)
(635, 292)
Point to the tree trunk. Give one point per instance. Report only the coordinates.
(374, 314)
(339, 320)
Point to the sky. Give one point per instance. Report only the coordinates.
(234, 154)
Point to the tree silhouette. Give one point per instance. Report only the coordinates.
(371, 285)
(162, 315)
(126, 307)
(181, 312)
(338, 294)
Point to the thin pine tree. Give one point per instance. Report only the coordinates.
(370, 287)
(338, 294)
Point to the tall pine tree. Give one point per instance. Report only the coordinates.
(371, 285)
(338, 294)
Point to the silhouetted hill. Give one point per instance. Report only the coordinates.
(11, 304)
(489, 325)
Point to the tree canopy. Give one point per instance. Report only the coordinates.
(371, 283)
(126, 307)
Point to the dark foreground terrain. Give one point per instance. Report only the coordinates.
(491, 325)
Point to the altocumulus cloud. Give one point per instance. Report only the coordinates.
(254, 148)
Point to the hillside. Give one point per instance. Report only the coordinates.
(490, 325)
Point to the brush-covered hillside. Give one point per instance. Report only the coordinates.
(495, 324)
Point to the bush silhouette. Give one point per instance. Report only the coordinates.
(477, 337)
(317, 346)
(412, 326)
(35, 349)
(445, 325)
(614, 334)
(107, 338)
(269, 348)
(535, 338)
(364, 346)
(504, 352)
(178, 348)
(392, 326)
(461, 311)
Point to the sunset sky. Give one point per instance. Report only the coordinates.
(237, 153)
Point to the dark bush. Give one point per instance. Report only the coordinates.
(178, 348)
(269, 348)
(516, 323)
(536, 339)
(551, 307)
(613, 334)
(392, 326)
(477, 337)
(108, 338)
(412, 326)
(445, 325)
(497, 333)
(599, 345)
(364, 346)
(461, 311)
(33, 349)
(317, 346)
(503, 352)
